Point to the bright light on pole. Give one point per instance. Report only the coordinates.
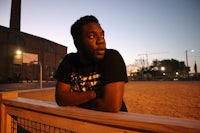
(18, 52)
(162, 68)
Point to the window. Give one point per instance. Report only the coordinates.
(49, 48)
(16, 67)
(17, 41)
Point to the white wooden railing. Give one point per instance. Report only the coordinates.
(19, 112)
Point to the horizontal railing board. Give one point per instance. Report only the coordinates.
(123, 120)
(45, 94)
(61, 122)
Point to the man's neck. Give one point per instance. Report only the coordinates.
(84, 60)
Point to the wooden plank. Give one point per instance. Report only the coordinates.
(8, 123)
(61, 122)
(47, 94)
(3, 115)
(121, 120)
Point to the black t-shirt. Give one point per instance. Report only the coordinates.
(93, 75)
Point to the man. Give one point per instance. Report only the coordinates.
(94, 77)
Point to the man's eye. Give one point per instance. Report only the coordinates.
(91, 36)
(102, 35)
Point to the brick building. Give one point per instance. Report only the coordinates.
(15, 65)
(22, 54)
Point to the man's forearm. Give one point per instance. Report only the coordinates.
(74, 98)
(101, 105)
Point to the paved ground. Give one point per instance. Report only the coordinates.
(164, 98)
(25, 86)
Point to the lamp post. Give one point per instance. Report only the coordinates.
(18, 57)
(18, 60)
(163, 71)
(186, 55)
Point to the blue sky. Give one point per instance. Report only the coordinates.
(161, 29)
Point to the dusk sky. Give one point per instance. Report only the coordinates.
(161, 29)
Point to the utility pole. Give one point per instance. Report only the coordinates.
(186, 56)
(147, 62)
(147, 56)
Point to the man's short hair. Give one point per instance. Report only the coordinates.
(77, 26)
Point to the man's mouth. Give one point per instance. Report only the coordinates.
(101, 51)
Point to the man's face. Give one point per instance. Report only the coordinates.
(92, 42)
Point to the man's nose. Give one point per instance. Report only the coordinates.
(100, 40)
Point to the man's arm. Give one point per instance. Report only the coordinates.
(110, 102)
(112, 98)
(65, 97)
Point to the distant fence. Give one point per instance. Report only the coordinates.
(19, 114)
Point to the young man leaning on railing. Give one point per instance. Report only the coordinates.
(94, 76)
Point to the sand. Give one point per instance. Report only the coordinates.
(164, 98)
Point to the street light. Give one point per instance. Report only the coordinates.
(18, 57)
(186, 55)
(163, 71)
(18, 60)
(19, 52)
(162, 68)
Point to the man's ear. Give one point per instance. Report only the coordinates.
(77, 44)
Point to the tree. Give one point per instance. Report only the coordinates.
(173, 68)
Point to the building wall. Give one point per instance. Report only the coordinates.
(49, 54)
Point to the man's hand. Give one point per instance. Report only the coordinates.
(109, 98)
(112, 98)
(64, 96)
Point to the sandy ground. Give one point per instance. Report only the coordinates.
(164, 98)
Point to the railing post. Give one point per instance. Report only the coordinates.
(40, 72)
(40, 75)
(4, 118)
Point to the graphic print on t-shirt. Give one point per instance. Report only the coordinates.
(80, 83)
